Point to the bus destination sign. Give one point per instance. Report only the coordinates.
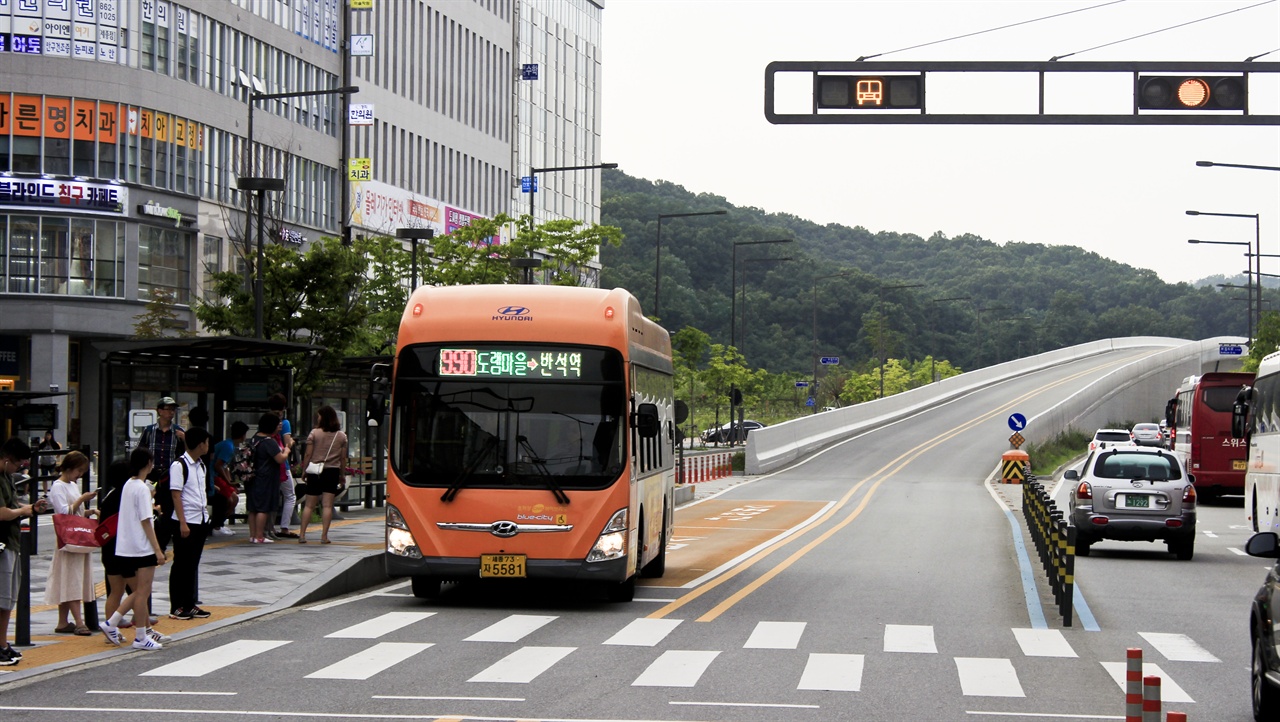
(511, 363)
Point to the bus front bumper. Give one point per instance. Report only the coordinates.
(456, 568)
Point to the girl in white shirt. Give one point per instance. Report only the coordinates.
(137, 555)
(70, 579)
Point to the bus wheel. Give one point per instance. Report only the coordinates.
(623, 592)
(426, 587)
(658, 566)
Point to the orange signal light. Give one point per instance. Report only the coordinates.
(417, 310)
(608, 312)
(1193, 93)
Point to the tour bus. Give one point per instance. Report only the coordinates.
(531, 436)
(1256, 420)
(1199, 417)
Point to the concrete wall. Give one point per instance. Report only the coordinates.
(1134, 391)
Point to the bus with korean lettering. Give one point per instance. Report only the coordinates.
(532, 435)
(1199, 417)
(1256, 422)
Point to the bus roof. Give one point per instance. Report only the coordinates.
(1270, 364)
(1216, 378)
(535, 313)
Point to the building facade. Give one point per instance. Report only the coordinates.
(124, 131)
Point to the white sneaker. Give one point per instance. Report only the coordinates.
(147, 643)
(224, 531)
(156, 636)
(112, 634)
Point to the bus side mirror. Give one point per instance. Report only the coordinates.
(1240, 414)
(1171, 412)
(645, 419)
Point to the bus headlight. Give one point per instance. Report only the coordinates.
(400, 540)
(612, 543)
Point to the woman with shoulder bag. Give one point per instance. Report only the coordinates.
(70, 580)
(324, 462)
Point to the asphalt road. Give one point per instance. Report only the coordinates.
(897, 595)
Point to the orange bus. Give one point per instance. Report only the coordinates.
(532, 435)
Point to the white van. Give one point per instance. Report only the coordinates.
(1256, 416)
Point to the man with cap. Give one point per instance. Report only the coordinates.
(167, 441)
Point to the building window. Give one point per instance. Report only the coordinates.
(54, 251)
(147, 50)
(64, 256)
(212, 261)
(164, 262)
(21, 253)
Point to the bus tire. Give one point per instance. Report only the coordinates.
(621, 592)
(658, 565)
(426, 587)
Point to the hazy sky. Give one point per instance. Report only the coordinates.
(683, 101)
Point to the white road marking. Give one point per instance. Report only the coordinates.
(748, 704)
(913, 638)
(985, 677)
(512, 629)
(654, 599)
(1043, 643)
(363, 665)
(1238, 552)
(775, 635)
(832, 673)
(198, 665)
(382, 716)
(1048, 715)
(355, 598)
(757, 548)
(1211, 535)
(523, 665)
(643, 632)
(1169, 690)
(379, 626)
(1178, 647)
(676, 668)
(161, 692)
(414, 698)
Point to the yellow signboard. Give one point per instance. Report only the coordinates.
(360, 169)
(361, 4)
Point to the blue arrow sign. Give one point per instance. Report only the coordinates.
(1230, 349)
(810, 402)
(829, 360)
(801, 384)
(1017, 422)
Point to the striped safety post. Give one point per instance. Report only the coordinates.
(1176, 717)
(1133, 685)
(1151, 698)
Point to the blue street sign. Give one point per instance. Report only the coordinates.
(528, 184)
(1017, 422)
(829, 360)
(529, 71)
(1230, 349)
(801, 384)
(810, 402)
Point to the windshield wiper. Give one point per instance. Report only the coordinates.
(456, 485)
(540, 465)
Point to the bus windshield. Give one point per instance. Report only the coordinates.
(515, 415)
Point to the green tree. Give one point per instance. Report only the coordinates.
(160, 318)
(1267, 341)
(473, 254)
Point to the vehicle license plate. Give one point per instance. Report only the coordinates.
(1238, 464)
(1137, 501)
(502, 565)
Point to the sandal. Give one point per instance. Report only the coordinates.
(67, 628)
(302, 540)
(82, 632)
(325, 541)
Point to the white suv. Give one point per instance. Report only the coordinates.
(1108, 438)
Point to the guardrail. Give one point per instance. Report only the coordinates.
(695, 468)
(1055, 540)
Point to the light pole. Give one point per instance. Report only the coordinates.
(933, 365)
(1248, 275)
(657, 262)
(813, 391)
(1255, 261)
(880, 333)
(744, 291)
(1215, 164)
(414, 235)
(733, 310)
(260, 186)
(533, 189)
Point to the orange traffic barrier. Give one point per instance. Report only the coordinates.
(1014, 466)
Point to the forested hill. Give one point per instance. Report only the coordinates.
(1017, 299)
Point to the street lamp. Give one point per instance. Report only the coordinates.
(880, 332)
(1255, 261)
(528, 264)
(657, 263)
(744, 290)
(733, 307)
(533, 189)
(1215, 164)
(414, 235)
(813, 391)
(260, 186)
(1247, 274)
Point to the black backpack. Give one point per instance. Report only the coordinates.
(164, 495)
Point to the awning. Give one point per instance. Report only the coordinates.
(196, 349)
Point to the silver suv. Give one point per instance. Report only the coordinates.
(1133, 494)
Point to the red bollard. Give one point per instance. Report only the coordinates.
(1133, 685)
(1151, 698)
(1176, 717)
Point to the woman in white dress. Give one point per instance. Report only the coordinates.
(70, 578)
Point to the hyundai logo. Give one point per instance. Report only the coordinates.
(513, 313)
(504, 528)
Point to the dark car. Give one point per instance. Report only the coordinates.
(1265, 668)
(1132, 493)
(731, 432)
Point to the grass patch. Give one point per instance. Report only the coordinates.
(1056, 451)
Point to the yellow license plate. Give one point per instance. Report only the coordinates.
(1238, 464)
(502, 565)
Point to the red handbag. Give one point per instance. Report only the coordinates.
(106, 530)
(75, 533)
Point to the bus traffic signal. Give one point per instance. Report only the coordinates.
(869, 92)
(1191, 92)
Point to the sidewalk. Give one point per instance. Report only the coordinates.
(238, 581)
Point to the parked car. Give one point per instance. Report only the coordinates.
(1131, 493)
(1264, 671)
(1147, 435)
(1103, 438)
(726, 432)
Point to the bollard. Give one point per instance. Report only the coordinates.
(1133, 685)
(1068, 603)
(1176, 717)
(1151, 698)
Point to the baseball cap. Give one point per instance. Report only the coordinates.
(166, 401)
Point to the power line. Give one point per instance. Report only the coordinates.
(1171, 27)
(992, 30)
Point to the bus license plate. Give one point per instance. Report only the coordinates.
(502, 565)
(1137, 501)
(1238, 464)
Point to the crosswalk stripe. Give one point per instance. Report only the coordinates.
(363, 665)
(986, 677)
(909, 638)
(512, 629)
(523, 665)
(1169, 690)
(676, 668)
(1178, 647)
(833, 673)
(643, 632)
(1043, 643)
(379, 626)
(775, 635)
(198, 665)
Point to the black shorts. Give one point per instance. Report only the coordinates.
(325, 483)
(129, 566)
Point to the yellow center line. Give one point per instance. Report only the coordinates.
(901, 461)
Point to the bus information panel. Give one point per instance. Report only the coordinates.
(512, 363)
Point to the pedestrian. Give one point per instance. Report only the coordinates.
(327, 445)
(225, 498)
(137, 554)
(165, 439)
(48, 462)
(70, 578)
(190, 522)
(277, 403)
(14, 455)
(264, 491)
